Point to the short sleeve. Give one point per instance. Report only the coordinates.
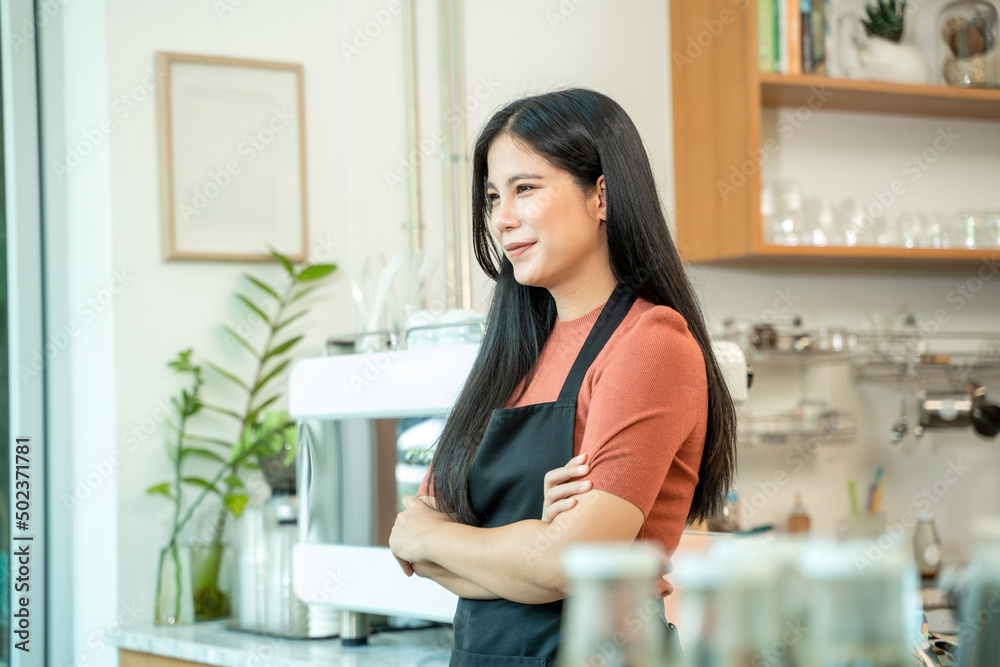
(648, 396)
(425, 486)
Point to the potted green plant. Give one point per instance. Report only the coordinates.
(885, 56)
(188, 586)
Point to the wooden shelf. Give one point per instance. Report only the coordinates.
(718, 98)
(861, 256)
(782, 90)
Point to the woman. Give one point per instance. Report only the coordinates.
(595, 348)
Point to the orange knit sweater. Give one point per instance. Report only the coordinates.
(642, 411)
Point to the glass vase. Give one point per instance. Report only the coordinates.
(195, 583)
(967, 39)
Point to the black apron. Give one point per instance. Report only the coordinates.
(506, 485)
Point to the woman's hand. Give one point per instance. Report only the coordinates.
(559, 487)
(664, 587)
(408, 537)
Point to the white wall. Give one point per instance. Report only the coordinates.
(354, 116)
(355, 134)
(621, 50)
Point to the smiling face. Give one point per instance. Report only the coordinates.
(550, 230)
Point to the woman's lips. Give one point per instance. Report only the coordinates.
(517, 250)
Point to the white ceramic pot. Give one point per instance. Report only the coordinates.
(885, 60)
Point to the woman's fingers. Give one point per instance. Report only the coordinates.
(557, 493)
(552, 510)
(664, 588)
(561, 485)
(575, 467)
(406, 565)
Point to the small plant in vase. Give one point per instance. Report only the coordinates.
(882, 53)
(885, 20)
(259, 434)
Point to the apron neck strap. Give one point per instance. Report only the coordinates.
(614, 311)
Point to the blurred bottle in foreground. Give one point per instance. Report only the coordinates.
(733, 606)
(612, 616)
(783, 602)
(979, 604)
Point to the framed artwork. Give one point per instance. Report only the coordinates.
(232, 158)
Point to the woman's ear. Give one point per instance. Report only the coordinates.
(603, 195)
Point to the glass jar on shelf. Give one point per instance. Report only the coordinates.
(932, 233)
(952, 231)
(818, 221)
(767, 221)
(849, 223)
(985, 229)
(787, 221)
(991, 229)
(880, 232)
(967, 34)
(911, 229)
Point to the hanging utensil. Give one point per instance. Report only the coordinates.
(985, 415)
(900, 427)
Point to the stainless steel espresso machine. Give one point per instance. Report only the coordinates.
(348, 407)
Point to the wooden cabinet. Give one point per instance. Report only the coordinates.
(718, 95)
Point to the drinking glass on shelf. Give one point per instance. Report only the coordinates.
(952, 234)
(893, 237)
(987, 229)
(869, 231)
(818, 221)
(767, 214)
(932, 235)
(787, 212)
(880, 232)
(966, 237)
(850, 223)
(910, 229)
(991, 229)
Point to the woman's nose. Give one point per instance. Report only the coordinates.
(504, 217)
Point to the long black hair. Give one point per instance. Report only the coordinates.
(586, 134)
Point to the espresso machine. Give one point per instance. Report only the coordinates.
(348, 407)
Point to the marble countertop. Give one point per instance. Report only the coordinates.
(212, 643)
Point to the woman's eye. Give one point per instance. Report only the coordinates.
(492, 198)
(518, 188)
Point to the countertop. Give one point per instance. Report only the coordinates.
(212, 643)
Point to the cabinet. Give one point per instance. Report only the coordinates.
(718, 95)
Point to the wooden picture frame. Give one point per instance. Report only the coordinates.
(232, 158)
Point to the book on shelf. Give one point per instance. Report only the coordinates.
(767, 28)
(793, 36)
(814, 30)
